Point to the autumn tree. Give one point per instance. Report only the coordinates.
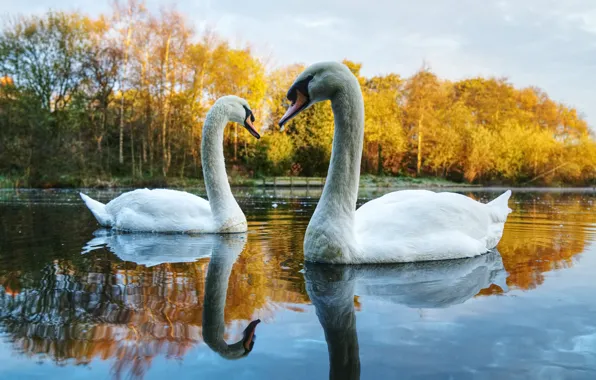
(122, 97)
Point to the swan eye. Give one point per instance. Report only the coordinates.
(248, 113)
(292, 97)
(302, 86)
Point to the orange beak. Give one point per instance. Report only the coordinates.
(296, 107)
(250, 126)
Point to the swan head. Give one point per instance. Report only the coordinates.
(317, 83)
(239, 112)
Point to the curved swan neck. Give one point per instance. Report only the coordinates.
(341, 187)
(331, 226)
(222, 201)
(216, 289)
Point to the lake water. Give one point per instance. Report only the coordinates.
(79, 303)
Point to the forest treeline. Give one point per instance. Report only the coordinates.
(84, 100)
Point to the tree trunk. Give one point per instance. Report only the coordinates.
(183, 164)
(148, 140)
(164, 124)
(380, 163)
(126, 45)
(132, 152)
(142, 155)
(121, 149)
(151, 149)
(419, 158)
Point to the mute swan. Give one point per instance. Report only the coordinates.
(224, 249)
(435, 284)
(163, 210)
(403, 226)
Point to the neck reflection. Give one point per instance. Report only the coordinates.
(224, 256)
(436, 284)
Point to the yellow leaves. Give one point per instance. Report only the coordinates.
(6, 81)
(580, 158)
(479, 157)
(447, 148)
(384, 134)
(509, 152)
(280, 148)
(152, 71)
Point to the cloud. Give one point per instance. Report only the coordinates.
(323, 22)
(585, 21)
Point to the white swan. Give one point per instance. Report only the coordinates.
(435, 284)
(403, 226)
(163, 210)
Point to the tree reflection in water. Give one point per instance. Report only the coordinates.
(132, 313)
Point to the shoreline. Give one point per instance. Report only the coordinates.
(367, 181)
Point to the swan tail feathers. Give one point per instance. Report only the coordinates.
(98, 210)
(498, 211)
(499, 207)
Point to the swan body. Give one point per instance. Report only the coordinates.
(433, 226)
(158, 210)
(163, 210)
(402, 226)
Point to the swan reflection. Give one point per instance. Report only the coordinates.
(216, 288)
(150, 249)
(435, 284)
(127, 313)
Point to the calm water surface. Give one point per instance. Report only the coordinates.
(77, 302)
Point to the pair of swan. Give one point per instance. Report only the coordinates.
(402, 226)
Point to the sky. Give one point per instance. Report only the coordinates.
(544, 43)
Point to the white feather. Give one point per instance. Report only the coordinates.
(420, 225)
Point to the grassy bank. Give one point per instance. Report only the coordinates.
(366, 181)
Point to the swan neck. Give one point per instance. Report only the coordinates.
(332, 224)
(346, 154)
(216, 288)
(221, 200)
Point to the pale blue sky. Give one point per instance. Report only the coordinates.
(548, 43)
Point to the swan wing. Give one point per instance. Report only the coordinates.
(421, 225)
(161, 210)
